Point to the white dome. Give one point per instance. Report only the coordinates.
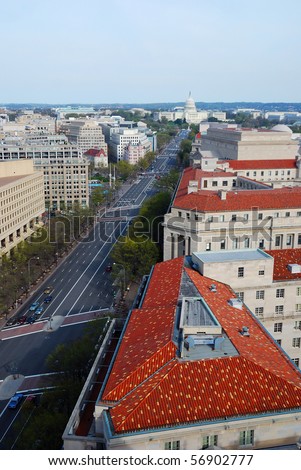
(281, 128)
(190, 105)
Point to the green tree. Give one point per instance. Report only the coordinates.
(136, 255)
(169, 182)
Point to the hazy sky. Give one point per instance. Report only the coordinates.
(143, 51)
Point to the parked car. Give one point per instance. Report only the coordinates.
(31, 319)
(109, 268)
(15, 401)
(48, 299)
(22, 320)
(12, 322)
(39, 311)
(48, 290)
(33, 306)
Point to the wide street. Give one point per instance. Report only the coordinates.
(82, 288)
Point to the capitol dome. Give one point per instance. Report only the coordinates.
(190, 105)
(282, 128)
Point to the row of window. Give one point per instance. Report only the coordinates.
(279, 294)
(278, 326)
(237, 217)
(279, 309)
(246, 438)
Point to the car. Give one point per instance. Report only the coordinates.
(15, 401)
(39, 311)
(11, 322)
(22, 320)
(31, 319)
(34, 306)
(48, 299)
(109, 268)
(48, 290)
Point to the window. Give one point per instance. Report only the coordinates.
(180, 214)
(234, 217)
(279, 293)
(235, 243)
(298, 291)
(223, 244)
(246, 217)
(261, 243)
(260, 216)
(240, 295)
(289, 240)
(298, 214)
(287, 214)
(296, 342)
(259, 311)
(296, 361)
(278, 240)
(210, 218)
(261, 272)
(225, 183)
(279, 309)
(297, 325)
(298, 307)
(278, 341)
(209, 441)
(187, 215)
(247, 243)
(277, 327)
(208, 246)
(276, 215)
(240, 272)
(260, 294)
(222, 218)
(214, 183)
(246, 437)
(172, 445)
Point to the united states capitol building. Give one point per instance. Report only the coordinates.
(190, 113)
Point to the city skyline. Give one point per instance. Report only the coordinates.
(123, 52)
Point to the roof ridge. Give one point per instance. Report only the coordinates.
(144, 398)
(135, 371)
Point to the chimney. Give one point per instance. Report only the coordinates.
(192, 186)
(222, 194)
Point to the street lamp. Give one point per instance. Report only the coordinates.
(28, 266)
(123, 269)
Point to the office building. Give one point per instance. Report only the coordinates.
(21, 202)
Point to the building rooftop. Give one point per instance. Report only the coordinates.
(286, 264)
(157, 381)
(210, 201)
(6, 180)
(231, 255)
(259, 164)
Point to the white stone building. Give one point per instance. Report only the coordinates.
(212, 211)
(85, 135)
(269, 283)
(250, 144)
(121, 139)
(65, 171)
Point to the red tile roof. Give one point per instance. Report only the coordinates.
(260, 164)
(155, 388)
(281, 259)
(210, 201)
(95, 152)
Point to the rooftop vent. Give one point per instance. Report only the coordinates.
(213, 288)
(236, 303)
(294, 268)
(222, 194)
(245, 331)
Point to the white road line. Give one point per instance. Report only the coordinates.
(92, 277)
(90, 294)
(81, 308)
